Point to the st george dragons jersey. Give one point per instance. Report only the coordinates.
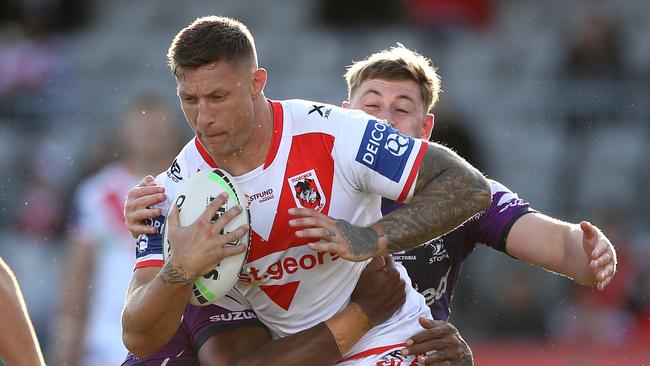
(435, 267)
(337, 161)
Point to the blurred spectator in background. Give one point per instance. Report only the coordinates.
(598, 102)
(32, 53)
(518, 316)
(51, 15)
(452, 132)
(360, 13)
(595, 51)
(449, 13)
(100, 258)
(615, 315)
(594, 57)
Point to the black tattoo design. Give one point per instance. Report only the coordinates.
(171, 273)
(362, 240)
(448, 191)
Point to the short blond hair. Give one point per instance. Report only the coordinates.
(397, 63)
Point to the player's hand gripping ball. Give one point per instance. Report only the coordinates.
(193, 198)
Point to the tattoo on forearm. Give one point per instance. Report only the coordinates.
(448, 192)
(171, 273)
(363, 240)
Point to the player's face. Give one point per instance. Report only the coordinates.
(217, 100)
(397, 101)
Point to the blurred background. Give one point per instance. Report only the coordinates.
(552, 98)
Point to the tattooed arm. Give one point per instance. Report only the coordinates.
(448, 191)
(157, 296)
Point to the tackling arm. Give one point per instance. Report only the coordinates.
(379, 293)
(448, 191)
(581, 252)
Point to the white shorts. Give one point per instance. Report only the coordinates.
(389, 356)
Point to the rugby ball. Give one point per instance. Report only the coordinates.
(193, 198)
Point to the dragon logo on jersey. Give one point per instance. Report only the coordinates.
(307, 190)
(393, 358)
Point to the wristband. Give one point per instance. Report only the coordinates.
(348, 326)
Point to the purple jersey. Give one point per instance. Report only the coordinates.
(198, 325)
(435, 266)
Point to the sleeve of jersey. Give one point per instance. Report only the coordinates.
(228, 312)
(149, 248)
(374, 157)
(493, 226)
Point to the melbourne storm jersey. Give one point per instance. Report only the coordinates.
(435, 266)
(337, 161)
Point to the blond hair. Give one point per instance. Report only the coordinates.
(397, 63)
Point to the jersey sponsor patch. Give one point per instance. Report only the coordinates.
(384, 150)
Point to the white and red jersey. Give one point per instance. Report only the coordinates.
(98, 221)
(338, 161)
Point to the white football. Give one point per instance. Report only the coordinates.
(193, 198)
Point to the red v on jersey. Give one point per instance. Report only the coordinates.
(281, 294)
(316, 166)
(282, 235)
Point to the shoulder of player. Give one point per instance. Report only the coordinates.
(184, 165)
(308, 115)
(501, 194)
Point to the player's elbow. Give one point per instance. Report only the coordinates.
(139, 345)
(140, 342)
(481, 192)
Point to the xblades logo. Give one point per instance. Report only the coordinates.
(174, 172)
(319, 109)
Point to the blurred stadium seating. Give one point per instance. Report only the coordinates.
(575, 146)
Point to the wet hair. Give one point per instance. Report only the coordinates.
(208, 40)
(397, 63)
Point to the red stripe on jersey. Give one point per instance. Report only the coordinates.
(414, 172)
(308, 151)
(204, 153)
(278, 121)
(150, 263)
(372, 351)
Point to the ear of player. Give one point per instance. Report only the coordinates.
(192, 200)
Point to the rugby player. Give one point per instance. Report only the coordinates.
(348, 160)
(401, 86)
